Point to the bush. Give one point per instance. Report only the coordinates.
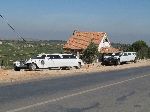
(90, 54)
(141, 48)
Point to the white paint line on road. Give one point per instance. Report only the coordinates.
(74, 94)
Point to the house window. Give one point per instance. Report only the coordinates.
(105, 40)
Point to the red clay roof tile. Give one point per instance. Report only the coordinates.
(80, 40)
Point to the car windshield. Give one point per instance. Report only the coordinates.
(112, 54)
(117, 54)
(109, 54)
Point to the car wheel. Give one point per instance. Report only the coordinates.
(135, 60)
(118, 62)
(79, 66)
(102, 63)
(16, 68)
(32, 67)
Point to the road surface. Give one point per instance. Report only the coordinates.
(116, 91)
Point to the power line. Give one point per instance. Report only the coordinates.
(18, 35)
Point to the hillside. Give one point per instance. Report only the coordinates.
(12, 50)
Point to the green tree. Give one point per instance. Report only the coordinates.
(90, 54)
(141, 48)
(143, 53)
(138, 45)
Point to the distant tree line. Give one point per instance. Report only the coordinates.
(12, 50)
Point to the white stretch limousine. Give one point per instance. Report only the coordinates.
(48, 61)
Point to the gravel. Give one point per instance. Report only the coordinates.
(11, 76)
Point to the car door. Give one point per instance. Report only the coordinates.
(50, 61)
(130, 57)
(40, 61)
(57, 60)
(73, 60)
(124, 57)
(70, 60)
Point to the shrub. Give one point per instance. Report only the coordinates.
(90, 54)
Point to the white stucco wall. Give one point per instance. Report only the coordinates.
(104, 44)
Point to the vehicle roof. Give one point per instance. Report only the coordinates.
(129, 52)
(55, 54)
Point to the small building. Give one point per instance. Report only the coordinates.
(80, 40)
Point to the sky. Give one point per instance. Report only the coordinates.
(125, 21)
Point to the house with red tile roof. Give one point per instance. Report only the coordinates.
(80, 40)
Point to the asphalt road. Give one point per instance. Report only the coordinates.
(117, 91)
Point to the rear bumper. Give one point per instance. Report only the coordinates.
(109, 62)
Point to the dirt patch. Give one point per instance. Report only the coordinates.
(11, 76)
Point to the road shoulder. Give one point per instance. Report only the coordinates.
(13, 77)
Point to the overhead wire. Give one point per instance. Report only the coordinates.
(17, 34)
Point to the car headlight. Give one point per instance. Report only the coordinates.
(17, 63)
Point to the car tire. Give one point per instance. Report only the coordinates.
(118, 62)
(16, 68)
(135, 60)
(103, 64)
(32, 67)
(79, 66)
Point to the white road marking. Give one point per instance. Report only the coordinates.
(75, 94)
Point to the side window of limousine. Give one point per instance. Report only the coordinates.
(56, 57)
(43, 56)
(69, 56)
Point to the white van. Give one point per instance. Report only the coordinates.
(43, 61)
(119, 58)
(128, 57)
